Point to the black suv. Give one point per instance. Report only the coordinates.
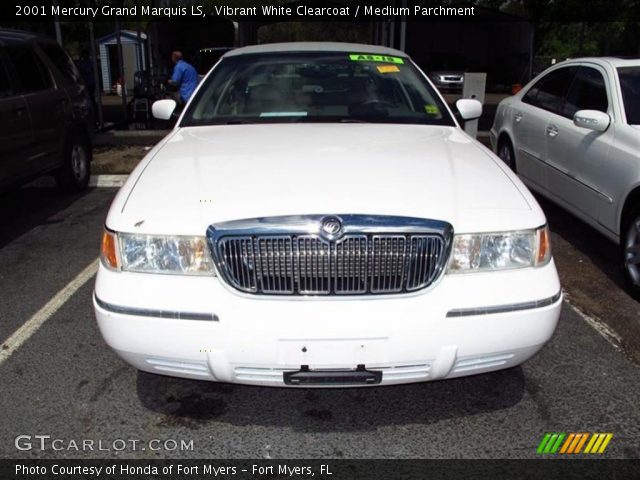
(46, 118)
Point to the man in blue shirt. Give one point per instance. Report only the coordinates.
(185, 77)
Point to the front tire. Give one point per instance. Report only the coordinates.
(630, 246)
(505, 152)
(75, 172)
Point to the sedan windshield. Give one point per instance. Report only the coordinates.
(316, 87)
(630, 85)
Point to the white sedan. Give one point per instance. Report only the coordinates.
(573, 135)
(318, 218)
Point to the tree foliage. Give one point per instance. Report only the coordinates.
(571, 28)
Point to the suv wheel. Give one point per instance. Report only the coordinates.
(74, 174)
(631, 249)
(505, 152)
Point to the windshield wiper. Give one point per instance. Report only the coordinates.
(352, 120)
(239, 122)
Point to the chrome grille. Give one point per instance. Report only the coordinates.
(266, 261)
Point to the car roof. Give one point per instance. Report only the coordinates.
(214, 49)
(623, 62)
(21, 35)
(612, 61)
(315, 47)
(15, 34)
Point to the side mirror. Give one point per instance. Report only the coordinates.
(469, 108)
(592, 119)
(162, 109)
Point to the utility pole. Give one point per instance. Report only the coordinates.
(139, 46)
(403, 29)
(56, 23)
(121, 67)
(97, 93)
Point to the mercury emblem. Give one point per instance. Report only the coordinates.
(331, 226)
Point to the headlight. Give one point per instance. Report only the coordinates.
(157, 254)
(500, 251)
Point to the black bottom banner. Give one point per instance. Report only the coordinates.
(317, 469)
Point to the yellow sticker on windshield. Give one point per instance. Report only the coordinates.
(387, 68)
(366, 57)
(432, 109)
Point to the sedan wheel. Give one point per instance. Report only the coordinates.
(505, 152)
(632, 251)
(76, 169)
(79, 162)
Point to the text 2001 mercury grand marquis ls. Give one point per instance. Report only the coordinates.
(318, 218)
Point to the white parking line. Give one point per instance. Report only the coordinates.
(32, 325)
(100, 181)
(108, 181)
(594, 322)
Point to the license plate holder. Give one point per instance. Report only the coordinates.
(358, 376)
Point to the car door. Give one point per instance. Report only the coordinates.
(530, 118)
(577, 156)
(15, 128)
(48, 105)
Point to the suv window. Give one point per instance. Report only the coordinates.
(5, 84)
(62, 61)
(588, 92)
(549, 92)
(32, 74)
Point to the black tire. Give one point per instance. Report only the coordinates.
(630, 249)
(75, 172)
(506, 154)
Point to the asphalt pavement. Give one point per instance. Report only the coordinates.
(64, 381)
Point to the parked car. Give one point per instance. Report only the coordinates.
(46, 119)
(448, 80)
(573, 135)
(318, 217)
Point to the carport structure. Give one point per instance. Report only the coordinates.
(134, 56)
(491, 41)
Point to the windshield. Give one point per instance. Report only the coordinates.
(316, 87)
(630, 85)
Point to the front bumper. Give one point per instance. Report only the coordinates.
(196, 327)
(448, 85)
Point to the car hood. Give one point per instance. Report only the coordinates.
(203, 175)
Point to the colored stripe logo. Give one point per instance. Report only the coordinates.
(574, 443)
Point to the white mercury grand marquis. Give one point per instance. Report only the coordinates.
(317, 217)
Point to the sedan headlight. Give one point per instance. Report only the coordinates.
(157, 254)
(500, 251)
